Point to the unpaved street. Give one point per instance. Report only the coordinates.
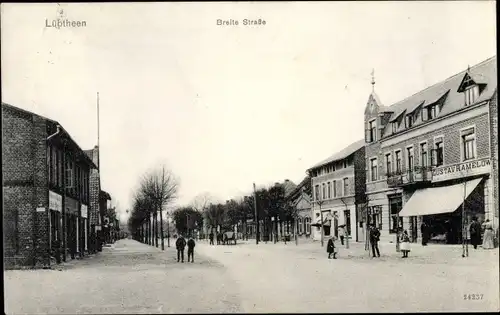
(131, 277)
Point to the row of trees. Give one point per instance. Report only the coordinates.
(157, 190)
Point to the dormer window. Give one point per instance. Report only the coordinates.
(471, 94)
(394, 127)
(432, 111)
(409, 121)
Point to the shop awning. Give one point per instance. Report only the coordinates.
(437, 200)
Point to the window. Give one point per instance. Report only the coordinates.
(301, 226)
(308, 226)
(468, 144)
(410, 158)
(438, 152)
(316, 192)
(334, 189)
(69, 174)
(323, 186)
(409, 121)
(60, 168)
(388, 165)
(329, 187)
(375, 216)
(471, 94)
(373, 169)
(347, 221)
(431, 111)
(49, 163)
(423, 154)
(394, 127)
(373, 131)
(345, 163)
(395, 205)
(345, 186)
(398, 161)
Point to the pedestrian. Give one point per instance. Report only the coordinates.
(190, 245)
(475, 232)
(488, 235)
(330, 248)
(374, 239)
(341, 231)
(405, 244)
(180, 244)
(424, 229)
(211, 238)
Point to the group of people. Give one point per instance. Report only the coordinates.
(220, 238)
(180, 245)
(475, 234)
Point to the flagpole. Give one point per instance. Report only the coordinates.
(99, 148)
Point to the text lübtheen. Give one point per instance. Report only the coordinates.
(62, 23)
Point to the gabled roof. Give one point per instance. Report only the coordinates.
(342, 154)
(484, 73)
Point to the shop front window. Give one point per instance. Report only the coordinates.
(395, 205)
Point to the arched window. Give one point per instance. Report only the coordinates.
(301, 226)
(308, 225)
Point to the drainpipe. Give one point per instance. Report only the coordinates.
(48, 191)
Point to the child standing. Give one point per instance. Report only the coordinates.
(405, 244)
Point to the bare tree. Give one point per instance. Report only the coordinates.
(201, 201)
(160, 187)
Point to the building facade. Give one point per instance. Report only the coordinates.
(433, 157)
(46, 191)
(339, 192)
(300, 199)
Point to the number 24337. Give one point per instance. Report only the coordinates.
(474, 297)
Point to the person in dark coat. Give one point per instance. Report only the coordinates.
(180, 244)
(330, 248)
(374, 239)
(424, 229)
(211, 238)
(475, 232)
(190, 245)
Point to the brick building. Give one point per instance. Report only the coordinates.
(339, 192)
(45, 189)
(428, 153)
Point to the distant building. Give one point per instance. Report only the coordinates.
(45, 189)
(339, 192)
(433, 152)
(300, 199)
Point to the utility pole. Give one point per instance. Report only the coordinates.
(257, 234)
(465, 248)
(320, 202)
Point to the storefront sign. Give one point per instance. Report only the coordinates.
(84, 211)
(55, 201)
(465, 169)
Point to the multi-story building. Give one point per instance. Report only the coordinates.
(339, 192)
(45, 189)
(300, 199)
(434, 156)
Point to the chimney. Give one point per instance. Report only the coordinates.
(287, 180)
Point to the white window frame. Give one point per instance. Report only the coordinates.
(371, 175)
(395, 167)
(439, 137)
(471, 94)
(374, 121)
(307, 225)
(421, 151)
(387, 171)
(301, 226)
(408, 157)
(344, 181)
(462, 143)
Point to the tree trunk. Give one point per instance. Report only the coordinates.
(156, 227)
(161, 230)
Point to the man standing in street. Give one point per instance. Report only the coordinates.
(211, 238)
(191, 244)
(341, 234)
(424, 229)
(180, 244)
(475, 232)
(374, 239)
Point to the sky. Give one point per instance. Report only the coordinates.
(226, 106)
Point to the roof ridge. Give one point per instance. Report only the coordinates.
(441, 82)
